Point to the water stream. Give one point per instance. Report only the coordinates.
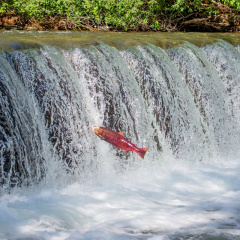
(176, 94)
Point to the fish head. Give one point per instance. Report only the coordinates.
(97, 130)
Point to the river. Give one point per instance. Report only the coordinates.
(175, 93)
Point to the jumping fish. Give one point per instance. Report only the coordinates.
(118, 140)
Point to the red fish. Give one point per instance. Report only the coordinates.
(118, 140)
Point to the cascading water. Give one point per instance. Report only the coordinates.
(181, 102)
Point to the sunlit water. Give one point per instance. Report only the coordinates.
(177, 95)
(181, 201)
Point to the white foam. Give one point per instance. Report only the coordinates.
(176, 200)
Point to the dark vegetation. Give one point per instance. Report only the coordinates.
(122, 15)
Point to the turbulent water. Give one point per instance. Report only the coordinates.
(179, 98)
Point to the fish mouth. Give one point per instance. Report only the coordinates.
(96, 130)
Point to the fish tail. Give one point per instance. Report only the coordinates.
(142, 152)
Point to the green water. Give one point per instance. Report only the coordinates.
(16, 40)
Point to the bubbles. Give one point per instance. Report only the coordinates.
(183, 200)
(176, 102)
(180, 102)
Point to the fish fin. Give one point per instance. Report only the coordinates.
(142, 152)
(121, 133)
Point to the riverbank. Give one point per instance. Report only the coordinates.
(211, 17)
(217, 23)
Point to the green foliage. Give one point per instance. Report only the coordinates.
(232, 3)
(120, 14)
(5, 6)
(182, 8)
(42, 8)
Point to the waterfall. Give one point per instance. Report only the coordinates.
(182, 102)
